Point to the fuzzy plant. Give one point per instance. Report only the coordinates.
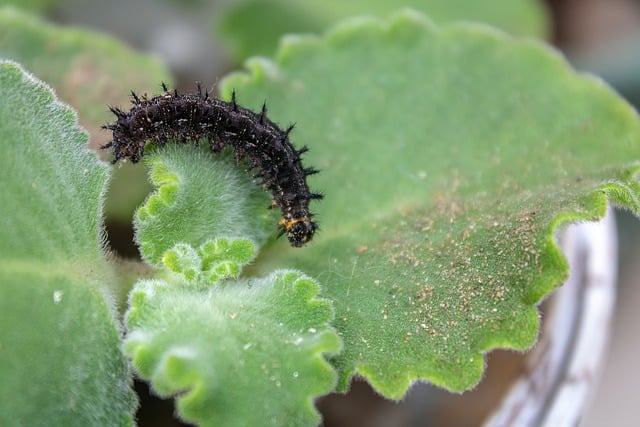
(450, 156)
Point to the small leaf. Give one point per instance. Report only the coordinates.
(213, 261)
(222, 258)
(60, 361)
(200, 196)
(184, 260)
(450, 156)
(244, 353)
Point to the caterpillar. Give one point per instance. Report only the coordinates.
(189, 118)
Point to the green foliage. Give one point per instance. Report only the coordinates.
(60, 361)
(211, 262)
(253, 27)
(89, 71)
(244, 353)
(450, 156)
(232, 342)
(221, 201)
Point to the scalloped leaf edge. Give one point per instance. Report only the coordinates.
(168, 372)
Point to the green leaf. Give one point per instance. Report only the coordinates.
(245, 353)
(59, 359)
(212, 261)
(253, 27)
(60, 362)
(48, 176)
(450, 156)
(199, 196)
(89, 71)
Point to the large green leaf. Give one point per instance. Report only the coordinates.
(450, 156)
(60, 361)
(253, 27)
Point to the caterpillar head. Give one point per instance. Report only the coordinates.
(299, 231)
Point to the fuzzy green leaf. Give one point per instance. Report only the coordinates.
(253, 27)
(60, 361)
(217, 200)
(450, 156)
(244, 353)
(212, 261)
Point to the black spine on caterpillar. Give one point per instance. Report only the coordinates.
(189, 118)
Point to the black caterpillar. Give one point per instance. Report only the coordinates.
(189, 118)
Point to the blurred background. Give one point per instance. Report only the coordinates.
(201, 40)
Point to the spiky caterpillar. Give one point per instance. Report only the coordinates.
(189, 118)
